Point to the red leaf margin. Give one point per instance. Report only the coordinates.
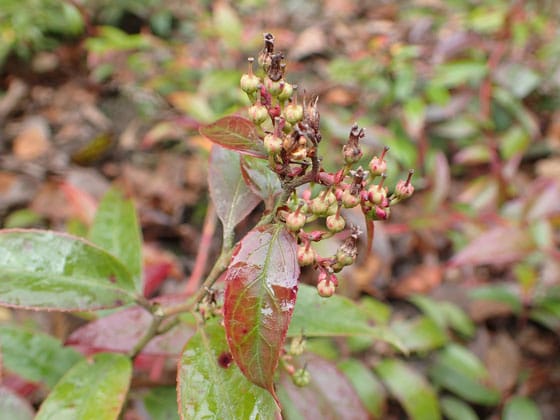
(235, 133)
(260, 296)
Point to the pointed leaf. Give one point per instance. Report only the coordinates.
(456, 409)
(119, 332)
(92, 389)
(420, 334)
(13, 407)
(50, 270)
(369, 388)
(410, 389)
(261, 289)
(233, 199)
(35, 356)
(211, 386)
(235, 133)
(116, 229)
(521, 408)
(328, 396)
(161, 403)
(260, 178)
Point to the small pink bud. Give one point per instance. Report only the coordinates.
(349, 200)
(295, 221)
(404, 188)
(335, 223)
(258, 113)
(272, 144)
(305, 256)
(377, 165)
(326, 288)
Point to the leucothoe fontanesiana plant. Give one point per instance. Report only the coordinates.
(226, 368)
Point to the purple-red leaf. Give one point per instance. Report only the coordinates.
(235, 133)
(261, 289)
(233, 199)
(329, 395)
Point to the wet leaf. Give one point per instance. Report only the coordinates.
(92, 389)
(119, 332)
(233, 199)
(50, 270)
(211, 386)
(410, 389)
(369, 388)
(260, 295)
(35, 356)
(260, 178)
(329, 395)
(116, 229)
(13, 407)
(235, 133)
(420, 334)
(521, 408)
(497, 246)
(336, 316)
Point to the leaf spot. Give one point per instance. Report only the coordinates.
(225, 359)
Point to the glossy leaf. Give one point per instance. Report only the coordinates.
(116, 229)
(369, 388)
(13, 407)
(92, 389)
(329, 395)
(235, 133)
(459, 371)
(455, 409)
(410, 389)
(50, 270)
(35, 356)
(211, 386)
(420, 334)
(521, 408)
(260, 178)
(336, 316)
(119, 332)
(260, 295)
(161, 403)
(233, 199)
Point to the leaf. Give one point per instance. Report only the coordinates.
(498, 293)
(116, 229)
(210, 386)
(260, 178)
(461, 72)
(420, 334)
(34, 356)
(161, 403)
(51, 270)
(455, 409)
(445, 314)
(521, 408)
(260, 295)
(369, 388)
(459, 371)
(410, 389)
(328, 396)
(235, 133)
(13, 407)
(120, 331)
(231, 195)
(336, 316)
(497, 246)
(92, 389)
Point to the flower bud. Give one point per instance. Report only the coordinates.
(301, 377)
(293, 113)
(305, 256)
(297, 346)
(404, 188)
(258, 113)
(295, 221)
(286, 92)
(274, 88)
(272, 144)
(377, 165)
(382, 213)
(249, 82)
(377, 194)
(348, 200)
(326, 287)
(335, 223)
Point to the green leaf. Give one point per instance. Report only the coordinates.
(369, 388)
(14, 407)
(410, 389)
(336, 316)
(211, 386)
(261, 288)
(457, 73)
(233, 199)
(116, 229)
(93, 389)
(420, 334)
(445, 314)
(498, 293)
(521, 408)
(50, 270)
(459, 371)
(455, 409)
(34, 356)
(161, 403)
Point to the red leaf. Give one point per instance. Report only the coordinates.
(261, 289)
(119, 332)
(329, 395)
(235, 133)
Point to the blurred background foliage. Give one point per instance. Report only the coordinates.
(467, 274)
